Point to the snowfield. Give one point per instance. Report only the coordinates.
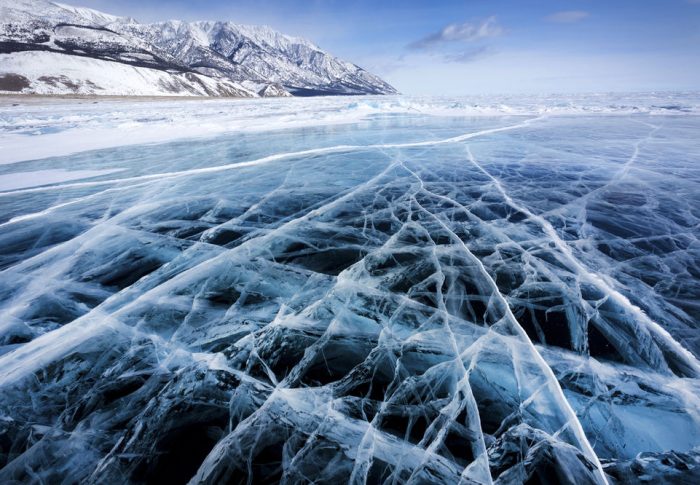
(350, 290)
(55, 73)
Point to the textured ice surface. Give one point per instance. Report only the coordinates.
(403, 298)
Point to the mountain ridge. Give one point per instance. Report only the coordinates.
(174, 57)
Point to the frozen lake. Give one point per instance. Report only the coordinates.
(349, 289)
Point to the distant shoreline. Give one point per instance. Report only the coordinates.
(6, 98)
(10, 98)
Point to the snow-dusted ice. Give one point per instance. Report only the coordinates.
(351, 290)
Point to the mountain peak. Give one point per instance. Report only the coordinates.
(211, 58)
(94, 16)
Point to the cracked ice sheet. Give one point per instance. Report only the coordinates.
(358, 303)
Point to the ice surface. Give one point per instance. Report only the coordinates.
(23, 180)
(354, 291)
(60, 128)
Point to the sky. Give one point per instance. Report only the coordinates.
(453, 47)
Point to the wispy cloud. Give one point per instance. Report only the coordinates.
(567, 16)
(469, 55)
(453, 33)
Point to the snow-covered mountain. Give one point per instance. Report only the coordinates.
(51, 48)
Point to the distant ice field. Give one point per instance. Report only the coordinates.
(59, 127)
(407, 288)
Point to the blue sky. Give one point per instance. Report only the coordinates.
(456, 47)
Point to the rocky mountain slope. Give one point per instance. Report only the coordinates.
(51, 48)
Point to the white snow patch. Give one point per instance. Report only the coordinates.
(56, 73)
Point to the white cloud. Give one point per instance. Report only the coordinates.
(567, 16)
(466, 32)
